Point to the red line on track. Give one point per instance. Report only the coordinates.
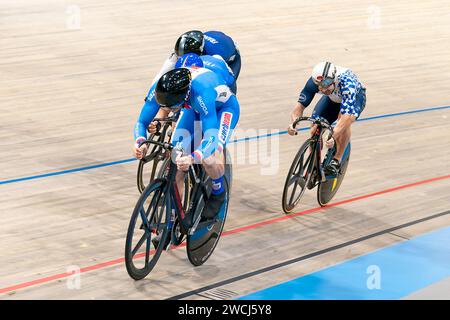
(226, 233)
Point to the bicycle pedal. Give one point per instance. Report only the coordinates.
(156, 243)
(311, 183)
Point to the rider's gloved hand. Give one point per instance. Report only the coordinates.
(184, 162)
(291, 130)
(154, 127)
(139, 152)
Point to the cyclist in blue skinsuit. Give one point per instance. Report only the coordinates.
(344, 98)
(214, 63)
(208, 43)
(203, 97)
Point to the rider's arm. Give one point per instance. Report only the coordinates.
(148, 112)
(297, 111)
(304, 100)
(168, 65)
(205, 104)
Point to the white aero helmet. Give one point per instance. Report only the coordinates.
(324, 74)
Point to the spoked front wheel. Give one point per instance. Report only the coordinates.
(149, 221)
(298, 177)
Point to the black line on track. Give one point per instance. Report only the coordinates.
(301, 258)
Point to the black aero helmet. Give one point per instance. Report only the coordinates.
(190, 42)
(173, 88)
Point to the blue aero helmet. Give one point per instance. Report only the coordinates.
(189, 60)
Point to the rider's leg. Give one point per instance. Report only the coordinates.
(327, 109)
(228, 117)
(344, 124)
(235, 66)
(214, 165)
(215, 168)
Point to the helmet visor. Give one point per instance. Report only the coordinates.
(325, 83)
(171, 99)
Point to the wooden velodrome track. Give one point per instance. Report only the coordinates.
(69, 98)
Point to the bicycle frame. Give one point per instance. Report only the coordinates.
(317, 139)
(187, 225)
(316, 145)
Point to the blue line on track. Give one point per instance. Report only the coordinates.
(107, 164)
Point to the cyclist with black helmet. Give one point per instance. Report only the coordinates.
(205, 43)
(209, 113)
(188, 60)
(211, 43)
(344, 98)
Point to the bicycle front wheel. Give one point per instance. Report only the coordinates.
(298, 177)
(148, 168)
(150, 221)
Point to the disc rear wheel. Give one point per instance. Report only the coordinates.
(327, 190)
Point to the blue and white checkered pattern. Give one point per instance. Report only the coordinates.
(347, 88)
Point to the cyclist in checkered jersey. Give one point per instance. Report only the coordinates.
(344, 98)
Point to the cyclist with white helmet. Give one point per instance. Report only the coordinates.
(344, 98)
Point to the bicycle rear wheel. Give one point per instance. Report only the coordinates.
(298, 177)
(202, 243)
(150, 218)
(327, 189)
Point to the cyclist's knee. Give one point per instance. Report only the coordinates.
(214, 159)
(313, 129)
(347, 117)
